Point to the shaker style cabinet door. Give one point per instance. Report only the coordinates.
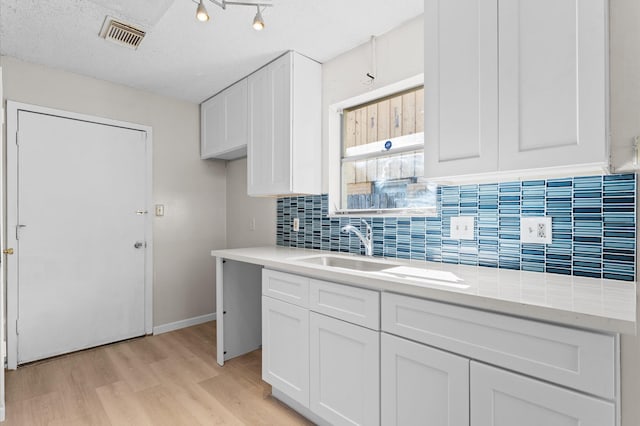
(501, 398)
(514, 85)
(345, 372)
(461, 87)
(285, 99)
(236, 116)
(553, 83)
(211, 127)
(224, 124)
(269, 156)
(285, 348)
(422, 385)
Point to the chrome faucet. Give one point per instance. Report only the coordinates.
(367, 239)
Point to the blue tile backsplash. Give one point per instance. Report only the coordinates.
(593, 222)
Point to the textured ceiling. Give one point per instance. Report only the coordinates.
(181, 57)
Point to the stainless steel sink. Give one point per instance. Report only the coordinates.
(409, 275)
(347, 263)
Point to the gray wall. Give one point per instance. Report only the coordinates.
(242, 210)
(193, 191)
(624, 30)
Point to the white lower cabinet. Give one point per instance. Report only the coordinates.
(500, 398)
(421, 385)
(285, 348)
(428, 363)
(345, 371)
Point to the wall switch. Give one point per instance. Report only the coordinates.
(462, 227)
(296, 224)
(159, 209)
(252, 224)
(536, 230)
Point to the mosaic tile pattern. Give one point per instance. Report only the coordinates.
(593, 221)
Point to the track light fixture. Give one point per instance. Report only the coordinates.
(258, 22)
(201, 12)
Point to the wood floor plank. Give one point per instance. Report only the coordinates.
(204, 407)
(247, 402)
(170, 379)
(182, 371)
(40, 410)
(130, 368)
(122, 405)
(163, 409)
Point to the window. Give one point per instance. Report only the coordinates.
(382, 156)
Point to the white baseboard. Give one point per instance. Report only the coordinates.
(2, 417)
(165, 328)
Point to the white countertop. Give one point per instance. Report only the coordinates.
(596, 304)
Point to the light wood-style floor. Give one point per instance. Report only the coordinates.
(169, 379)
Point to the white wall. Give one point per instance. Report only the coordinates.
(193, 191)
(625, 125)
(242, 210)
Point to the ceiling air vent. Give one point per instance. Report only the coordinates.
(121, 33)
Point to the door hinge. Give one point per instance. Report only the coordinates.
(17, 137)
(17, 328)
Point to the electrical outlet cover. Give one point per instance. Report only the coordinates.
(462, 227)
(536, 230)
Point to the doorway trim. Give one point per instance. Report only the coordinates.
(11, 214)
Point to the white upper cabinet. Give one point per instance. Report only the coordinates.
(223, 121)
(461, 87)
(514, 85)
(283, 153)
(553, 83)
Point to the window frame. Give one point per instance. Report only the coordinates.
(336, 151)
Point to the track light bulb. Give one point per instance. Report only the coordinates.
(201, 12)
(258, 22)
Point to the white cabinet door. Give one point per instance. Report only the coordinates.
(285, 348)
(345, 372)
(224, 123)
(553, 83)
(500, 398)
(279, 178)
(515, 85)
(422, 385)
(269, 150)
(260, 148)
(236, 115)
(211, 127)
(284, 127)
(461, 87)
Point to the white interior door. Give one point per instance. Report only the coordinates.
(80, 234)
(3, 270)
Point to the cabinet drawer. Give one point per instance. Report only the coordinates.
(288, 287)
(352, 304)
(575, 358)
(500, 398)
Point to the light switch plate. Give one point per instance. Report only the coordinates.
(536, 230)
(159, 209)
(296, 224)
(462, 227)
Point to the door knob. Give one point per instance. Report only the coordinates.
(138, 244)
